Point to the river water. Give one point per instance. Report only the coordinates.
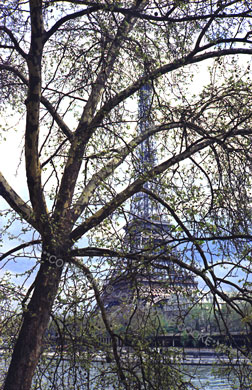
(200, 376)
(204, 379)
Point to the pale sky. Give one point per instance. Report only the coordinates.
(14, 170)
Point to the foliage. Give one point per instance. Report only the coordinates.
(70, 75)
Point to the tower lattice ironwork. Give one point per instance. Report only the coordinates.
(147, 232)
(146, 226)
(141, 205)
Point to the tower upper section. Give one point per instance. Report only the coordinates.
(142, 206)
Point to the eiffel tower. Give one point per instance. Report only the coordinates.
(147, 235)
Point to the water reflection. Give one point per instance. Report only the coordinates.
(204, 378)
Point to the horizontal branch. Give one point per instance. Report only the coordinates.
(162, 18)
(104, 252)
(148, 259)
(19, 247)
(220, 238)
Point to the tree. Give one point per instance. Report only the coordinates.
(72, 69)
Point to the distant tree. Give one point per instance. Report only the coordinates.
(70, 71)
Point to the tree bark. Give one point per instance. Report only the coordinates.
(36, 317)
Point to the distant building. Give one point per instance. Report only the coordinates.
(150, 275)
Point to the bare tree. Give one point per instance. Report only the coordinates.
(73, 69)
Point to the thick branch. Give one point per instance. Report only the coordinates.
(136, 186)
(205, 28)
(133, 188)
(14, 200)
(152, 260)
(18, 248)
(33, 171)
(84, 130)
(14, 41)
(110, 167)
(66, 18)
(58, 119)
(15, 71)
(165, 18)
(155, 74)
(105, 252)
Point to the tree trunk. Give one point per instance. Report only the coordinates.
(29, 343)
